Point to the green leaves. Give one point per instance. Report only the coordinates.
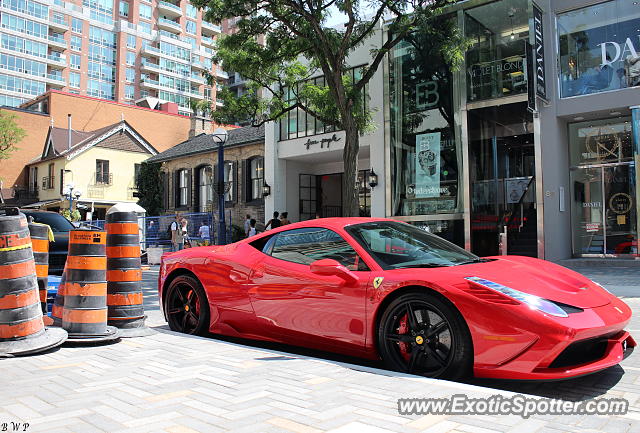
(150, 186)
(10, 134)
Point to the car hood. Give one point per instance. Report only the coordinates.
(537, 277)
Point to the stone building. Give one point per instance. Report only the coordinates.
(190, 172)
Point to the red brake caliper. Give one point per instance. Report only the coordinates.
(403, 328)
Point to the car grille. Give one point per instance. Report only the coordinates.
(581, 352)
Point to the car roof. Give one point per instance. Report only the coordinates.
(329, 223)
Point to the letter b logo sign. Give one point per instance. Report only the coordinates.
(427, 94)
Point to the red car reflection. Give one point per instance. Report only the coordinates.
(377, 288)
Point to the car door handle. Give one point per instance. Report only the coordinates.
(257, 273)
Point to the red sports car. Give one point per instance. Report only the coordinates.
(378, 288)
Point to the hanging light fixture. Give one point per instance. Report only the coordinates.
(373, 179)
(513, 35)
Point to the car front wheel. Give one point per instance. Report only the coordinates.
(421, 334)
(187, 308)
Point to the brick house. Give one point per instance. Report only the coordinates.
(190, 170)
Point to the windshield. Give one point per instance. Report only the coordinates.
(57, 222)
(396, 245)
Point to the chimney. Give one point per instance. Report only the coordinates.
(198, 125)
(69, 134)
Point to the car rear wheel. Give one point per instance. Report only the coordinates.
(421, 334)
(187, 307)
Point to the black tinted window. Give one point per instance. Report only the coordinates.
(57, 222)
(307, 245)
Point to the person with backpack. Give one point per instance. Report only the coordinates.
(273, 222)
(177, 240)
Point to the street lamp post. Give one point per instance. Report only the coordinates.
(220, 137)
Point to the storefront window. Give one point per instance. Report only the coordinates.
(495, 61)
(425, 155)
(603, 181)
(599, 48)
(451, 230)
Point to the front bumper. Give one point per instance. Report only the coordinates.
(581, 344)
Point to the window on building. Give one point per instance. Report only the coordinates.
(74, 61)
(76, 43)
(50, 180)
(182, 188)
(205, 180)
(76, 25)
(124, 9)
(145, 11)
(131, 58)
(33, 179)
(599, 48)
(130, 75)
(74, 79)
(255, 178)
(131, 41)
(129, 91)
(307, 245)
(144, 27)
(192, 12)
(102, 172)
(229, 179)
(190, 27)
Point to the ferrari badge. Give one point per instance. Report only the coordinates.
(377, 281)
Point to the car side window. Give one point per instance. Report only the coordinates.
(307, 245)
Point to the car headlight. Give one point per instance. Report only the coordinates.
(532, 301)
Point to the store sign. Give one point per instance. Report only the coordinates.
(427, 165)
(325, 141)
(538, 34)
(427, 95)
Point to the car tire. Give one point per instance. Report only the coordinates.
(186, 306)
(436, 344)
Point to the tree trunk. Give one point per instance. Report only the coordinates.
(350, 205)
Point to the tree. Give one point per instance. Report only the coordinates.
(149, 186)
(10, 134)
(280, 44)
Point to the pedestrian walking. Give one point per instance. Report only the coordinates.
(284, 219)
(247, 225)
(203, 232)
(176, 234)
(273, 222)
(186, 242)
(252, 228)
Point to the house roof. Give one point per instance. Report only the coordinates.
(57, 141)
(203, 143)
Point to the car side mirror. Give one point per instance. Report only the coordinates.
(330, 267)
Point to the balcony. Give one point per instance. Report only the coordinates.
(150, 66)
(25, 195)
(57, 60)
(210, 29)
(219, 103)
(58, 41)
(197, 78)
(221, 74)
(48, 182)
(59, 24)
(168, 25)
(196, 64)
(209, 41)
(56, 80)
(150, 51)
(102, 179)
(169, 9)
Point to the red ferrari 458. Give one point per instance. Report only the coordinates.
(383, 289)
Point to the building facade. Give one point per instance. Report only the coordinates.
(120, 50)
(530, 148)
(190, 172)
(162, 129)
(95, 169)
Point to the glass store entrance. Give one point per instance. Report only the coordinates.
(502, 175)
(603, 177)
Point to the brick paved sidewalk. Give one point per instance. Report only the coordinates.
(175, 383)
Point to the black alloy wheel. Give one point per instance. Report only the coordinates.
(421, 334)
(187, 307)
